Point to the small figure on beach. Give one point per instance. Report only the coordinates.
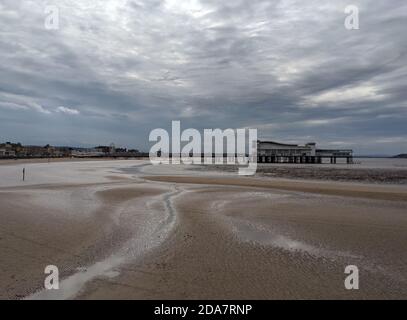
(23, 174)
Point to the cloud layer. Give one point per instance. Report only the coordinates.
(115, 70)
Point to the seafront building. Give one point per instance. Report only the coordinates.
(10, 150)
(275, 152)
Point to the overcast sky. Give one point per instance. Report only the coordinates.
(115, 70)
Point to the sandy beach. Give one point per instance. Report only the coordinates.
(129, 230)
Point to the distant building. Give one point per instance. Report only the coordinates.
(106, 149)
(8, 149)
(103, 149)
(16, 150)
(7, 153)
(271, 148)
(87, 152)
(35, 151)
(271, 151)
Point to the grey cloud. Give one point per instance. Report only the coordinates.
(289, 68)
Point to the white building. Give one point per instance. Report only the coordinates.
(270, 151)
(7, 153)
(271, 148)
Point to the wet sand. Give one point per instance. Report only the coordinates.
(116, 234)
(386, 171)
(398, 193)
(72, 228)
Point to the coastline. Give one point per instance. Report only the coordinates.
(56, 160)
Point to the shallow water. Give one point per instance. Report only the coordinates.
(155, 232)
(359, 163)
(71, 286)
